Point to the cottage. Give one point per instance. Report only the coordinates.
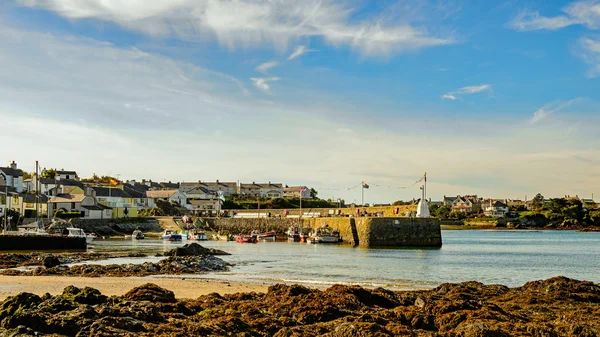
(70, 203)
(227, 188)
(296, 192)
(199, 206)
(173, 196)
(12, 177)
(66, 175)
(267, 190)
(121, 203)
(466, 204)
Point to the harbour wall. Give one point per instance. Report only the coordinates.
(387, 211)
(357, 231)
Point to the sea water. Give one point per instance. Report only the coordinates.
(511, 258)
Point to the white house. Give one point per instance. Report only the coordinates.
(70, 203)
(227, 188)
(12, 177)
(45, 185)
(167, 195)
(66, 175)
(496, 210)
(267, 190)
(296, 192)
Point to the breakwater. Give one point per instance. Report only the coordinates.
(386, 211)
(357, 231)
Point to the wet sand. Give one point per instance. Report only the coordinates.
(182, 287)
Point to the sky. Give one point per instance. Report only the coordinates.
(495, 98)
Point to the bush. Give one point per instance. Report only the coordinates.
(67, 215)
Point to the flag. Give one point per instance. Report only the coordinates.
(365, 185)
(221, 196)
(302, 189)
(114, 182)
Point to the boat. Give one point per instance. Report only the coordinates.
(246, 238)
(137, 235)
(184, 236)
(37, 230)
(79, 233)
(170, 235)
(265, 236)
(198, 236)
(305, 234)
(293, 234)
(324, 234)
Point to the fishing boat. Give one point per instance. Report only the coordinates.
(184, 236)
(137, 235)
(246, 238)
(265, 236)
(170, 235)
(293, 234)
(198, 236)
(305, 234)
(79, 233)
(324, 234)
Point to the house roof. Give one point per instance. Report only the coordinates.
(110, 192)
(261, 185)
(169, 185)
(96, 207)
(161, 193)
(30, 198)
(449, 199)
(70, 182)
(208, 184)
(12, 172)
(134, 191)
(66, 172)
(499, 204)
(200, 190)
(294, 188)
(48, 181)
(67, 198)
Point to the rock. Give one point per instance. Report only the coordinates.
(194, 249)
(150, 292)
(51, 261)
(86, 295)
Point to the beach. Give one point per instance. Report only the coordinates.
(117, 286)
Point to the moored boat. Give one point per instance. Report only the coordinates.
(79, 233)
(137, 235)
(170, 235)
(265, 236)
(324, 234)
(198, 236)
(305, 234)
(293, 234)
(246, 238)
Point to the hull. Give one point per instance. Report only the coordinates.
(173, 237)
(200, 237)
(324, 239)
(293, 238)
(246, 239)
(89, 238)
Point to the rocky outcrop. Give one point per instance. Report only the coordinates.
(555, 307)
(194, 249)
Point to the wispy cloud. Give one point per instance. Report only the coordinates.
(549, 109)
(251, 23)
(262, 83)
(586, 12)
(590, 53)
(299, 51)
(468, 90)
(265, 67)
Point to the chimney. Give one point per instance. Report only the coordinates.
(217, 181)
(13, 165)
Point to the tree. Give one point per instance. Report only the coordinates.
(441, 212)
(538, 201)
(313, 193)
(27, 175)
(48, 173)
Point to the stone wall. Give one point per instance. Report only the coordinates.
(357, 231)
(388, 211)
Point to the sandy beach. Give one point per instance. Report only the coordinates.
(182, 287)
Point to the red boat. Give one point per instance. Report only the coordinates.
(265, 236)
(246, 239)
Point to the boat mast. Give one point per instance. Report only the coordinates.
(37, 193)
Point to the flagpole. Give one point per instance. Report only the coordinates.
(362, 190)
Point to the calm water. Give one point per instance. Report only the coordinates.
(506, 257)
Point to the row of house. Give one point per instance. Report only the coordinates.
(67, 193)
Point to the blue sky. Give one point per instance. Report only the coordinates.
(498, 98)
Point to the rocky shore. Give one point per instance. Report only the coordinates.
(189, 259)
(555, 307)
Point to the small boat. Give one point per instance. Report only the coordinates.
(305, 234)
(324, 234)
(265, 236)
(170, 235)
(137, 235)
(293, 234)
(246, 238)
(184, 236)
(198, 236)
(78, 232)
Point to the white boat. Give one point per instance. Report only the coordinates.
(171, 235)
(198, 236)
(78, 232)
(324, 234)
(137, 235)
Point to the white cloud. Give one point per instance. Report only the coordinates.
(549, 109)
(585, 13)
(590, 53)
(299, 51)
(468, 90)
(264, 67)
(250, 23)
(262, 83)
